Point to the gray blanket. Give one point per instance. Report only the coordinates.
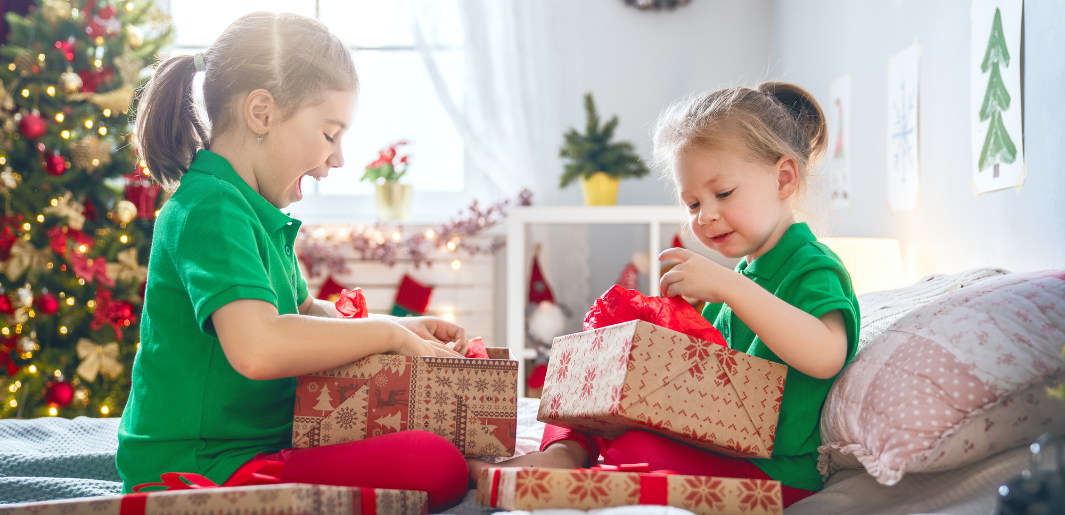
(55, 458)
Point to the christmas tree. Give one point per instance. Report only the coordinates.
(998, 146)
(78, 204)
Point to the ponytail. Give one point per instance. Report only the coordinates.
(169, 129)
(812, 136)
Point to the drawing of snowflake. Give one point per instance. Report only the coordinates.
(439, 414)
(462, 383)
(441, 398)
(904, 108)
(760, 493)
(699, 490)
(346, 418)
(380, 380)
(312, 387)
(481, 384)
(443, 381)
(499, 385)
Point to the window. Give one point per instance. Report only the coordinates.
(397, 100)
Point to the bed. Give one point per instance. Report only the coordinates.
(49, 458)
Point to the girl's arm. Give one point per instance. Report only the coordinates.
(814, 346)
(427, 328)
(318, 308)
(261, 344)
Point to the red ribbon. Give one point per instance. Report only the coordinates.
(258, 472)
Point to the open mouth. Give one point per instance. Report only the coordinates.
(299, 183)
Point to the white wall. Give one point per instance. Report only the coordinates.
(816, 41)
(635, 63)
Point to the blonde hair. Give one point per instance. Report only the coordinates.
(293, 57)
(772, 120)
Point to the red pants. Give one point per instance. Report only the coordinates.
(408, 460)
(662, 453)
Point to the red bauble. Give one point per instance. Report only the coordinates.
(56, 165)
(5, 304)
(67, 48)
(106, 13)
(142, 193)
(32, 126)
(58, 394)
(47, 304)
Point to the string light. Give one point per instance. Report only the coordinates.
(449, 317)
(397, 236)
(103, 131)
(59, 117)
(12, 388)
(123, 239)
(451, 245)
(96, 162)
(98, 63)
(25, 93)
(26, 226)
(456, 264)
(88, 124)
(63, 329)
(40, 57)
(91, 304)
(13, 403)
(51, 91)
(129, 6)
(11, 67)
(5, 331)
(104, 410)
(53, 412)
(430, 234)
(70, 301)
(65, 134)
(81, 282)
(82, 249)
(58, 373)
(3, 160)
(40, 218)
(107, 113)
(33, 369)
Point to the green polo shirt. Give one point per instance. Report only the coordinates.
(216, 241)
(809, 276)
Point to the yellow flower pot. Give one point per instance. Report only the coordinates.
(600, 189)
(393, 200)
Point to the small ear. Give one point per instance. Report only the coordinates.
(259, 111)
(787, 177)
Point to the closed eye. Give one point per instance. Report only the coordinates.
(330, 140)
(693, 207)
(726, 193)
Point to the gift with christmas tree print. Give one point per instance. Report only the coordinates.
(78, 204)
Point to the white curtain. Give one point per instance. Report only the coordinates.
(503, 105)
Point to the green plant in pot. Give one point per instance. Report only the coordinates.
(393, 198)
(599, 164)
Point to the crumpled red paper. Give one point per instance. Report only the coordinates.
(352, 304)
(619, 305)
(476, 349)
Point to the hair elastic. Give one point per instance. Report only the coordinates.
(198, 59)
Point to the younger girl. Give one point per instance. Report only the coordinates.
(223, 332)
(740, 158)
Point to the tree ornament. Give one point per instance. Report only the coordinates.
(27, 345)
(67, 48)
(134, 36)
(117, 100)
(56, 164)
(93, 79)
(142, 192)
(128, 268)
(5, 304)
(55, 10)
(26, 63)
(81, 397)
(58, 394)
(24, 297)
(106, 13)
(96, 359)
(129, 66)
(90, 152)
(124, 211)
(47, 304)
(70, 82)
(32, 126)
(9, 180)
(67, 207)
(25, 256)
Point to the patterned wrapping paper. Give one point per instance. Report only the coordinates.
(536, 488)
(471, 402)
(637, 375)
(294, 499)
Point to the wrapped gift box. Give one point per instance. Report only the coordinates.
(295, 499)
(638, 375)
(536, 488)
(471, 402)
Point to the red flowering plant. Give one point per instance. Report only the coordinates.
(387, 168)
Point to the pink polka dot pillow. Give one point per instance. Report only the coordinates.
(952, 382)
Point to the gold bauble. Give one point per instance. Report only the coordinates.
(70, 82)
(25, 62)
(134, 36)
(55, 10)
(124, 211)
(90, 152)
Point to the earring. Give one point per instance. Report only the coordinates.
(259, 139)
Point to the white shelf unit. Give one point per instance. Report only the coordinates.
(519, 218)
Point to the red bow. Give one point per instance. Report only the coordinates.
(115, 313)
(259, 472)
(89, 268)
(352, 304)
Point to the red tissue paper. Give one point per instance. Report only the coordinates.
(619, 305)
(352, 304)
(476, 349)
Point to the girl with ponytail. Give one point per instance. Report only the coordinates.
(225, 325)
(740, 158)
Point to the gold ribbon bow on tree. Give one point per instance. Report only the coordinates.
(127, 268)
(24, 256)
(97, 358)
(70, 209)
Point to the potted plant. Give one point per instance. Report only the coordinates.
(598, 163)
(393, 198)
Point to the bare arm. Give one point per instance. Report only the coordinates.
(318, 308)
(261, 344)
(814, 346)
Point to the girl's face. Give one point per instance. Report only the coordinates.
(736, 207)
(304, 146)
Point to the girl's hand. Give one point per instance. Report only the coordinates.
(437, 331)
(695, 276)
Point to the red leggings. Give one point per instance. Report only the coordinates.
(662, 453)
(407, 460)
